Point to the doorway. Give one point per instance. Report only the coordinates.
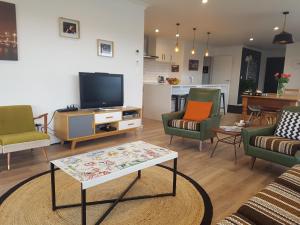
(274, 65)
(221, 69)
(250, 67)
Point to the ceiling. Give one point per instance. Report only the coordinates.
(231, 22)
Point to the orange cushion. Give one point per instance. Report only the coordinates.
(197, 111)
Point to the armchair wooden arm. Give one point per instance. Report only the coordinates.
(45, 116)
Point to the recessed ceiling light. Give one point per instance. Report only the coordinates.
(156, 30)
(276, 28)
(251, 39)
(204, 1)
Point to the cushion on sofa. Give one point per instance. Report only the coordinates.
(197, 111)
(277, 204)
(236, 219)
(289, 125)
(277, 144)
(22, 137)
(185, 124)
(16, 119)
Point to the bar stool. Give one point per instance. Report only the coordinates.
(270, 115)
(223, 101)
(255, 113)
(180, 101)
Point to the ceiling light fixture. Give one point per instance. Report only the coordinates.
(276, 28)
(284, 37)
(204, 1)
(193, 49)
(156, 30)
(177, 38)
(207, 45)
(251, 39)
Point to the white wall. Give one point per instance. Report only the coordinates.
(236, 53)
(154, 68)
(292, 64)
(199, 55)
(46, 75)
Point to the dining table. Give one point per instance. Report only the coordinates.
(269, 101)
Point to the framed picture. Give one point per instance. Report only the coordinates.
(193, 65)
(205, 69)
(105, 48)
(8, 32)
(69, 28)
(174, 68)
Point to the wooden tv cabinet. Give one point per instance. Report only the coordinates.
(85, 125)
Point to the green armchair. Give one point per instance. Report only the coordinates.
(18, 132)
(204, 129)
(262, 153)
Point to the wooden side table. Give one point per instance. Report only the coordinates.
(232, 138)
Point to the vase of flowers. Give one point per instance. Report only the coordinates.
(282, 79)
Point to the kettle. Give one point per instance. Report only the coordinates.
(161, 79)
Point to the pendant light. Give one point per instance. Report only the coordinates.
(193, 49)
(207, 42)
(177, 38)
(284, 37)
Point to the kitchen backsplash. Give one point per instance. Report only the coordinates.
(153, 69)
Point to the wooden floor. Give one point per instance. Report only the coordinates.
(227, 184)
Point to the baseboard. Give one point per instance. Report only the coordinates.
(235, 109)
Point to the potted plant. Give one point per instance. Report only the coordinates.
(282, 79)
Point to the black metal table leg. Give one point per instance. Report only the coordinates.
(174, 176)
(53, 195)
(113, 202)
(83, 206)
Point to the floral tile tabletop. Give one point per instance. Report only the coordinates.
(92, 165)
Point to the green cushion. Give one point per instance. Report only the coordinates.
(16, 119)
(22, 137)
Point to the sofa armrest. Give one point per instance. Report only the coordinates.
(166, 117)
(247, 133)
(207, 125)
(45, 116)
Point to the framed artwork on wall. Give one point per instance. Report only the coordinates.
(105, 48)
(174, 68)
(8, 32)
(193, 65)
(69, 28)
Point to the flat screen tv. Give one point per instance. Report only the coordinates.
(100, 90)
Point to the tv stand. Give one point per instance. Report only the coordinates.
(83, 125)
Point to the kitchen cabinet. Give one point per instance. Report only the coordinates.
(162, 48)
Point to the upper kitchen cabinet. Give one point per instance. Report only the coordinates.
(160, 49)
(164, 50)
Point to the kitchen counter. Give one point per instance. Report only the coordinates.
(157, 98)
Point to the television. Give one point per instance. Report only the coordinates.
(101, 90)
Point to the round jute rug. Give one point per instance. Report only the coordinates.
(30, 201)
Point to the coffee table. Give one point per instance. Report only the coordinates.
(232, 138)
(100, 166)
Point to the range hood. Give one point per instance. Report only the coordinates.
(150, 48)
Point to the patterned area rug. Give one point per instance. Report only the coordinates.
(30, 201)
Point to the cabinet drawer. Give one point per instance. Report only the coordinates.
(81, 126)
(128, 124)
(108, 117)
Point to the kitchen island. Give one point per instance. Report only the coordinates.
(157, 98)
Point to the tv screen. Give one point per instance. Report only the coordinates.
(100, 90)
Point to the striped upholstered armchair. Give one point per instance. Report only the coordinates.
(265, 143)
(175, 125)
